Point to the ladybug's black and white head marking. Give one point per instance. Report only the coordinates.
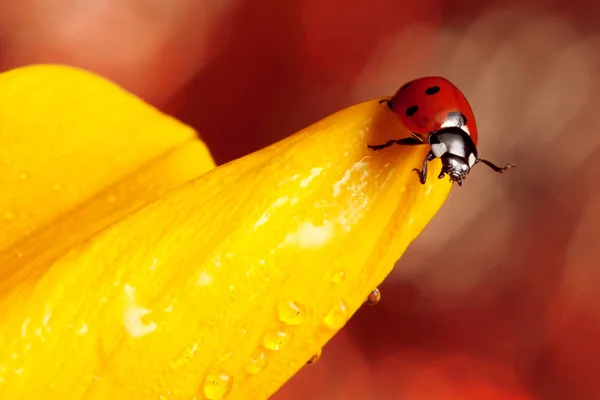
(456, 150)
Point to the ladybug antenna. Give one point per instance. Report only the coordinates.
(495, 167)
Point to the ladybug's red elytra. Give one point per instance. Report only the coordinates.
(438, 114)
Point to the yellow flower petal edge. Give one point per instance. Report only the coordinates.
(224, 287)
(68, 137)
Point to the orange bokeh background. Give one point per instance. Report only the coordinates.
(498, 298)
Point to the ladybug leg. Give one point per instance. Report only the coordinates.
(387, 103)
(423, 172)
(409, 141)
(495, 167)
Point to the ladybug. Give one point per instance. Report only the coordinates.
(438, 114)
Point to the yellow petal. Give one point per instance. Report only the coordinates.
(227, 285)
(69, 138)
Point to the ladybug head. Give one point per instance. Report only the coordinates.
(456, 150)
(456, 167)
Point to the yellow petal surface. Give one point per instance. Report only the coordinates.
(69, 138)
(221, 288)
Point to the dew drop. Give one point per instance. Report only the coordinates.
(217, 386)
(336, 317)
(276, 340)
(373, 297)
(290, 313)
(314, 358)
(338, 277)
(257, 362)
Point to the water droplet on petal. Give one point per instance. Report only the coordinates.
(275, 340)
(290, 313)
(257, 361)
(336, 317)
(338, 277)
(373, 297)
(217, 386)
(314, 358)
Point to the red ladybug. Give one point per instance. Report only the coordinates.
(438, 114)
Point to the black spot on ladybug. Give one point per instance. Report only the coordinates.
(457, 116)
(432, 90)
(410, 111)
(405, 85)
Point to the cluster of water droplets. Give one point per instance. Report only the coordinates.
(218, 385)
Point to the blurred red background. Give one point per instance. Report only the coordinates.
(497, 299)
